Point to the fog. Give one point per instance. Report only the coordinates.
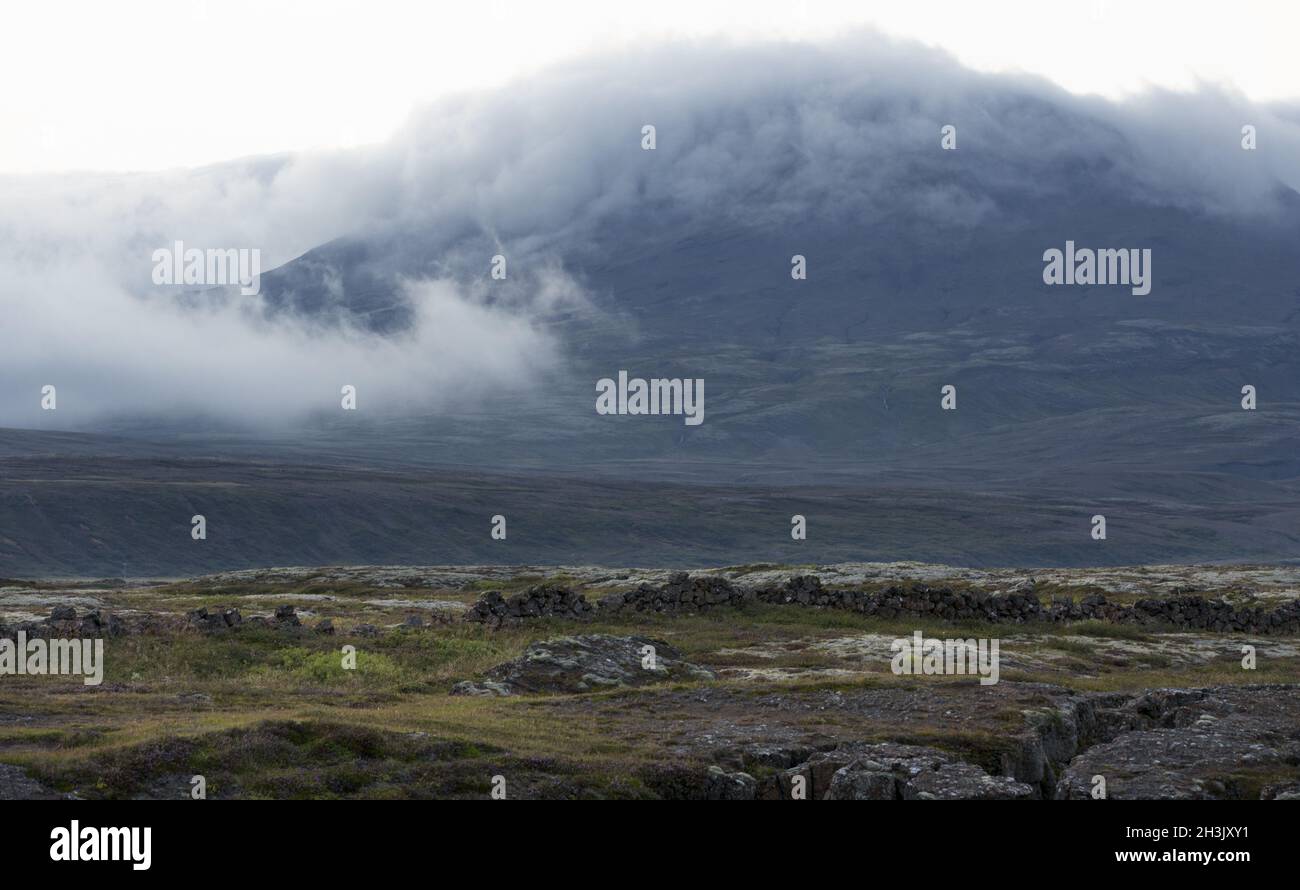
(760, 134)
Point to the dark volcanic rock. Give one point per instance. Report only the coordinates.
(680, 593)
(1019, 605)
(540, 601)
(1194, 744)
(691, 782)
(721, 785)
(890, 771)
(62, 613)
(202, 619)
(585, 663)
(102, 622)
(15, 785)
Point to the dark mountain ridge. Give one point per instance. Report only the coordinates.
(925, 269)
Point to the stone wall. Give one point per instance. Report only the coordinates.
(683, 593)
(542, 600)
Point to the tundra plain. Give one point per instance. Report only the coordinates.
(759, 688)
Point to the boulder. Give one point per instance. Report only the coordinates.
(62, 613)
(892, 771)
(722, 785)
(584, 664)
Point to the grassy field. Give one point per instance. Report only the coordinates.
(270, 713)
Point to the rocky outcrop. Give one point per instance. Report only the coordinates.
(102, 623)
(884, 771)
(907, 772)
(64, 622)
(1193, 744)
(691, 782)
(202, 619)
(1224, 742)
(890, 771)
(16, 785)
(1281, 791)
(721, 785)
(583, 664)
(1220, 742)
(285, 618)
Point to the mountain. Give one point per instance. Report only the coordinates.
(925, 268)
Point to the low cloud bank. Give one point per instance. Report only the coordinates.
(761, 134)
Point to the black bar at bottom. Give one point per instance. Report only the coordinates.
(336, 839)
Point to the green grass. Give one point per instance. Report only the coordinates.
(266, 713)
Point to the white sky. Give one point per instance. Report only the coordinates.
(149, 84)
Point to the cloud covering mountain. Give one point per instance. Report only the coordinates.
(475, 395)
(758, 137)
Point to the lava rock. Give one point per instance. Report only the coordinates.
(586, 663)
